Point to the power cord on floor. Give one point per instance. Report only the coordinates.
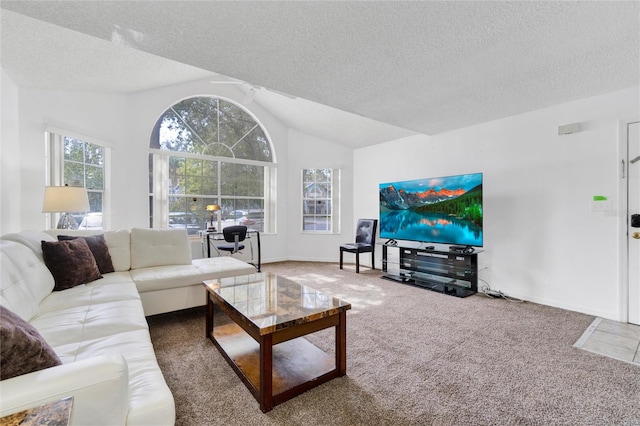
(496, 294)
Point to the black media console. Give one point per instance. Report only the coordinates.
(450, 272)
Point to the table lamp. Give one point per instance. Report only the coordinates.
(212, 208)
(65, 199)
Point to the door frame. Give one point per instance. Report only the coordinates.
(623, 250)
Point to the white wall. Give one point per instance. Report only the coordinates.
(97, 115)
(309, 152)
(10, 199)
(543, 243)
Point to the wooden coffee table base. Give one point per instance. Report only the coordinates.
(279, 366)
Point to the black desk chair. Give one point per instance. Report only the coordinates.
(365, 242)
(233, 235)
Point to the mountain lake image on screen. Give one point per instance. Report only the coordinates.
(446, 210)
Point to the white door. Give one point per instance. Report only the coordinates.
(633, 229)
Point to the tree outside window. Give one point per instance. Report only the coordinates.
(84, 166)
(206, 150)
(317, 200)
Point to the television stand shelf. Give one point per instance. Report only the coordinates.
(450, 272)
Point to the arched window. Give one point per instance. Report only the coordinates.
(209, 151)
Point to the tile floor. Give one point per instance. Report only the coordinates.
(613, 339)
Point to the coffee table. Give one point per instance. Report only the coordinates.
(259, 323)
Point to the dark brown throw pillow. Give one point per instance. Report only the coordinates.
(98, 247)
(23, 348)
(71, 263)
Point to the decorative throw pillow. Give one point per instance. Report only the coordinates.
(71, 263)
(23, 348)
(98, 247)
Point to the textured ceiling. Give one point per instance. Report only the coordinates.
(428, 66)
(42, 55)
(38, 54)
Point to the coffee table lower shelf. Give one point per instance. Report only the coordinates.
(297, 364)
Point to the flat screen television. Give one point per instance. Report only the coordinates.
(445, 210)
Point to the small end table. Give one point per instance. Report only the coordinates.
(56, 413)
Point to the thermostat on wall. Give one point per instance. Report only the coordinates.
(600, 203)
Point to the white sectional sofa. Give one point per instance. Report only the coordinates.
(98, 329)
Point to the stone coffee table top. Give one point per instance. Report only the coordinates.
(273, 302)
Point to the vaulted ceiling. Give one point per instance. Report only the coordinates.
(356, 72)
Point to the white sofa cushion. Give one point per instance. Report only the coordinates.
(112, 287)
(131, 344)
(31, 239)
(174, 276)
(119, 243)
(149, 402)
(88, 322)
(159, 247)
(24, 279)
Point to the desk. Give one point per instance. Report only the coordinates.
(209, 238)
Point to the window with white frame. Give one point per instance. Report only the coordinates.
(207, 151)
(320, 197)
(80, 161)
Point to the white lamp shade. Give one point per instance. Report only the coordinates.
(65, 199)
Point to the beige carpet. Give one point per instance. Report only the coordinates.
(414, 357)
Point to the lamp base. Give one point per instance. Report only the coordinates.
(67, 222)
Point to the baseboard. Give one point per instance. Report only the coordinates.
(330, 260)
(565, 306)
(273, 260)
(312, 259)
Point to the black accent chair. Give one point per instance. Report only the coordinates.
(365, 242)
(234, 236)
